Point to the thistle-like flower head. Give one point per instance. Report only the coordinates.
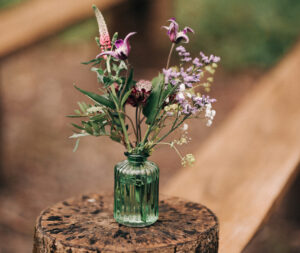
(140, 93)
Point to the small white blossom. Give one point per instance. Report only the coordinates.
(94, 109)
(188, 159)
(209, 114)
(180, 96)
(182, 87)
(209, 123)
(185, 127)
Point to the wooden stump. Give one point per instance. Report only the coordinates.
(86, 224)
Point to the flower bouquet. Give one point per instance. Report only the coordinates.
(161, 106)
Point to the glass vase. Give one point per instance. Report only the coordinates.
(136, 191)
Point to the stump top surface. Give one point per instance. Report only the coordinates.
(86, 222)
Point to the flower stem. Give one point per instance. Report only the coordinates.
(137, 124)
(108, 64)
(173, 128)
(170, 54)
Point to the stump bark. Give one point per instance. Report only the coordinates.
(86, 224)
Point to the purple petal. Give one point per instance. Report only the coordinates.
(119, 43)
(126, 42)
(188, 29)
(182, 36)
(165, 27)
(112, 53)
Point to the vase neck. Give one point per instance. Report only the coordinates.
(136, 159)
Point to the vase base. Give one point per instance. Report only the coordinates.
(135, 223)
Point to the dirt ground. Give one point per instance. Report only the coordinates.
(38, 166)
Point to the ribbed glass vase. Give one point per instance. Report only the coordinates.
(136, 191)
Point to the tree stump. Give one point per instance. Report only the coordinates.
(85, 224)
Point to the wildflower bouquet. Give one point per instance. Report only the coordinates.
(163, 104)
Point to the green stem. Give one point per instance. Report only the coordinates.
(121, 120)
(170, 54)
(137, 124)
(108, 64)
(173, 128)
(131, 122)
(124, 131)
(140, 123)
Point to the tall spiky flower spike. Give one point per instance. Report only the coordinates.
(103, 32)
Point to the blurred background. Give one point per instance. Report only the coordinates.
(37, 72)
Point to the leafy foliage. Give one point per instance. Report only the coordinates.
(167, 101)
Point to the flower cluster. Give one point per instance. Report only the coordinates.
(162, 105)
(140, 93)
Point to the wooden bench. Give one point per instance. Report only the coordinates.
(37, 19)
(250, 161)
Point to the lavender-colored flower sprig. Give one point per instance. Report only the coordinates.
(170, 99)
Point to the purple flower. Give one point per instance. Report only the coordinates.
(203, 100)
(210, 59)
(174, 34)
(122, 48)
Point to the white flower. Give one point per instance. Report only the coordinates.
(180, 96)
(185, 127)
(209, 123)
(209, 114)
(94, 109)
(182, 87)
(188, 159)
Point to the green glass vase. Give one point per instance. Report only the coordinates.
(136, 191)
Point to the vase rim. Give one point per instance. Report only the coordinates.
(136, 158)
(136, 155)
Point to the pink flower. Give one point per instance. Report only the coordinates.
(103, 31)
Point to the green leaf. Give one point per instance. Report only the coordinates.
(167, 92)
(79, 127)
(152, 107)
(95, 127)
(130, 83)
(95, 61)
(97, 39)
(98, 117)
(114, 38)
(124, 98)
(81, 106)
(97, 98)
(107, 81)
(88, 128)
(77, 111)
(115, 136)
(100, 73)
(75, 116)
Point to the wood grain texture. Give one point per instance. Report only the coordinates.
(37, 19)
(243, 169)
(86, 224)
